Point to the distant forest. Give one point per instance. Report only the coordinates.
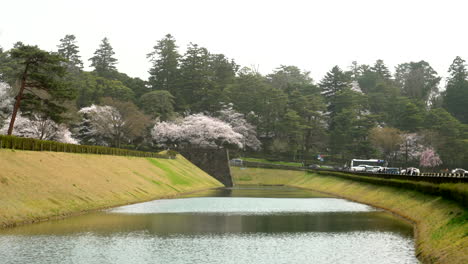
(360, 111)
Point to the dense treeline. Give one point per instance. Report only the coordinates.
(361, 111)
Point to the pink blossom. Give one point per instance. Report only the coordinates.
(429, 158)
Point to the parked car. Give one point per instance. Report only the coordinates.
(366, 168)
(459, 171)
(391, 170)
(360, 168)
(375, 169)
(410, 171)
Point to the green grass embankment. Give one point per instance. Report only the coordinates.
(37, 186)
(441, 223)
(294, 164)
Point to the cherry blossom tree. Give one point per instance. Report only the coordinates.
(111, 124)
(429, 158)
(241, 126)
(411, 147)
(196, 130)
(34, 126)
(6, 102)
(100, 123)
(40, 128)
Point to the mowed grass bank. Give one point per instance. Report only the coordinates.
(441, 224)
(36, 186)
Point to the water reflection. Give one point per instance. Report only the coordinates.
(168, 224)
(246, 228)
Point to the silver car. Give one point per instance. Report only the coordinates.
(459, 171)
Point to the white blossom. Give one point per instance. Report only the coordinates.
(196, 130)
(104, 123)
(411, 146)
(40, 128)
(6, 102)
(241, 126)
(355, 87)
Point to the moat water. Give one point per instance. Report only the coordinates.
(230, 225)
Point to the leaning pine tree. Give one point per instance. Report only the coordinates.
(40, 78)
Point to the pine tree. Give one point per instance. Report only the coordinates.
(457, 70)
(69, 50)
(164, 72)
(456, 93)
(381, 69)
(195, 78)
(42, 88)
(333, 82)
(103, 60)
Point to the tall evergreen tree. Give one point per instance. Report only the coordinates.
(103, 60)
(456, 92)
(195, 78)
(40, 77)
(69, 50)
(164, 73)
(333, 82)
(381, 69)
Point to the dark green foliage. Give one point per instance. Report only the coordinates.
(455, 99)
(12, 142)
(289, 78)
(103, 60)
(381, 70)
(91, 88)
(203, 79)
(43, 88)
(412, 117)
(158, 104)
(417, 80)
(438, 119)
(164, 73)
(137, 85)
(69, 51)
(194, 77)
(333, 82)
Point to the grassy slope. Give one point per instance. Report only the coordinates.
(442, 225)
(39, 185)
(295, 164)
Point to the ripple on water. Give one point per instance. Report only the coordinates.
(140, 247)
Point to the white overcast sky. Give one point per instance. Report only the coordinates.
(313, 35)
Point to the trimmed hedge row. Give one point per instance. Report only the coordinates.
(457, 195)
(12, 142)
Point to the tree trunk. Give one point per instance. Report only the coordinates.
(18, 100)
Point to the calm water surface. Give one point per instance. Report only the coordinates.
(233, 225)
